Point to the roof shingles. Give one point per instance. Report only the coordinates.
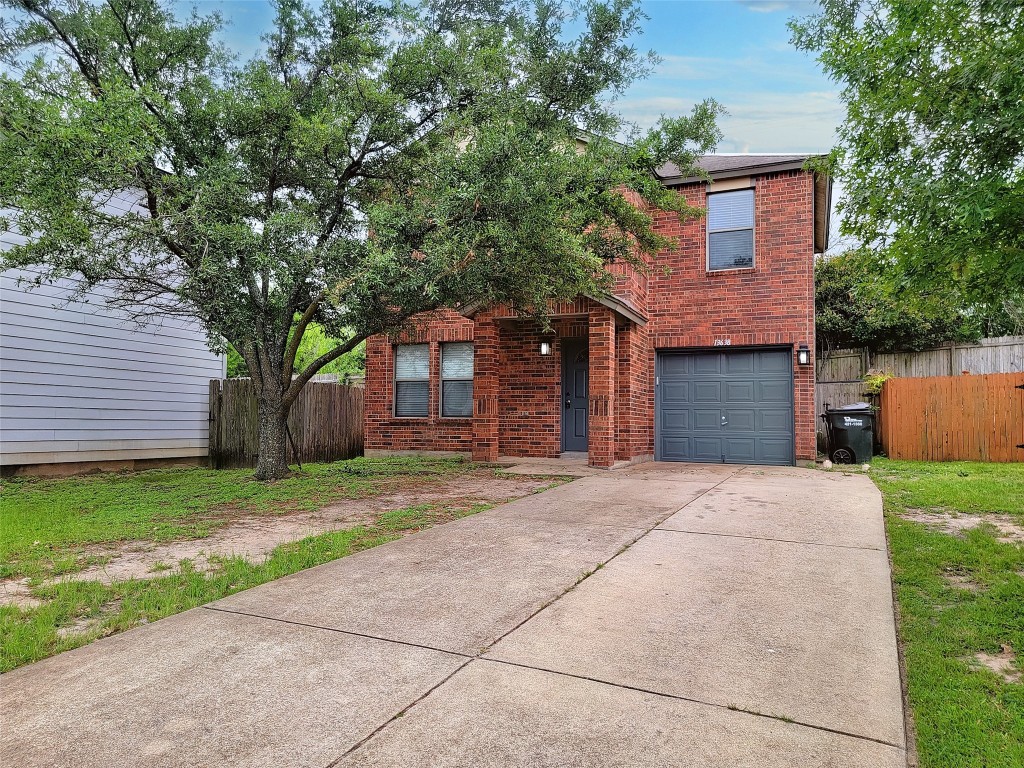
(730, 165)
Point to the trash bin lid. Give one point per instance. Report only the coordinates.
(853, 407)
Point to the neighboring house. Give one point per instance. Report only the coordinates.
(699, 362)
(81, 385)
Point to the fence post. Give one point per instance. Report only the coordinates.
(214, 425)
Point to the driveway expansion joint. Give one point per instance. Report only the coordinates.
(400, 713)
(677, 697)
(599, 566)
(339, 631)
(334, 700)
(769, 538)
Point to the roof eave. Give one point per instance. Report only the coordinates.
(732, 173)
(620, 306)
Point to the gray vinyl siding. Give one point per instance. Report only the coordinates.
(80, 382)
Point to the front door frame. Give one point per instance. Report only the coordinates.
(571, 347)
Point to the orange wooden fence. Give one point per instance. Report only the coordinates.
(954, 418)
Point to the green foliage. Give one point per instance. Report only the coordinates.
(858, 305)
(964, 716)
(315, 342)
(874, 380)
(236, 367)
(931, 152)
(450, 131)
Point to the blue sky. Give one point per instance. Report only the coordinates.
(736, 51)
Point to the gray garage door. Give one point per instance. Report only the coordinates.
(734, 407)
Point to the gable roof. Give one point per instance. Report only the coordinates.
(734, 166)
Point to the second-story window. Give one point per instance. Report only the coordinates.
(412, 379)
(457, 380)
(731, 230)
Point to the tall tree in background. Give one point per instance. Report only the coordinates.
(856, 305)
(931, 153)
(375, 160)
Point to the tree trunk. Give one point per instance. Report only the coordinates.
(272, 462)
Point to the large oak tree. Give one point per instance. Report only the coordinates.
(931, 153)
(375, 160)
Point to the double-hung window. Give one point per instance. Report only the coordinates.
(412, 379)
(457, 380)
(731, 230)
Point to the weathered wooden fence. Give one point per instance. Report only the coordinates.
(326, 423)
(951, 418)
(840, 372)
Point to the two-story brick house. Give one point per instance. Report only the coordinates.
(709, 360)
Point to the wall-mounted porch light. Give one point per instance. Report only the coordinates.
(545, 347)
(803, 355)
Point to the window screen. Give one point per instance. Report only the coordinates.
(731, 229)
(412, 379)
(457, 379)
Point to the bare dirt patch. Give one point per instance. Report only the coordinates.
(16, 592)
(961, 580)
(1002, 663)
(85, 625)
(957, 523)
(254, 536)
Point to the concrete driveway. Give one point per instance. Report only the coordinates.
(665, 615)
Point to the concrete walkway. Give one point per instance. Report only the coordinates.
(664, 615)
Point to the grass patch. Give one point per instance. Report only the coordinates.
(106, 609)
(97, 610)
(965, 715)
(46, 524)
(47, 527)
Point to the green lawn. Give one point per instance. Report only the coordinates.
(49, 526)
(959, 594)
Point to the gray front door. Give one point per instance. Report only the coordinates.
(575, 375)
(734, 407)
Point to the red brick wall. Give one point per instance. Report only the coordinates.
(601, 432)
(517, 391)
(530, 413)
(384, 431)
(634, 426)
(772, 303)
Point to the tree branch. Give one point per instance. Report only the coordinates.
(296, 340)
(300, 381)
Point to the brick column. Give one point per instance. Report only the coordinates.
(601, 425)
(485, 391)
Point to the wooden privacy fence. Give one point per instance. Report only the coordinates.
(326, 423)
(954, 418)
(839, 373)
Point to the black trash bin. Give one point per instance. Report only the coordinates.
(850, 431)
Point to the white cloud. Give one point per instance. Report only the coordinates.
(673, 67)
(771, 6)
(757, 122)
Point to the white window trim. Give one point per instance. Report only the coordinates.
(442, 379)
(752, 228)
(395, 380)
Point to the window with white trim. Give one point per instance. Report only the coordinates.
(731, 230)
(457, 379)
(412, 379)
